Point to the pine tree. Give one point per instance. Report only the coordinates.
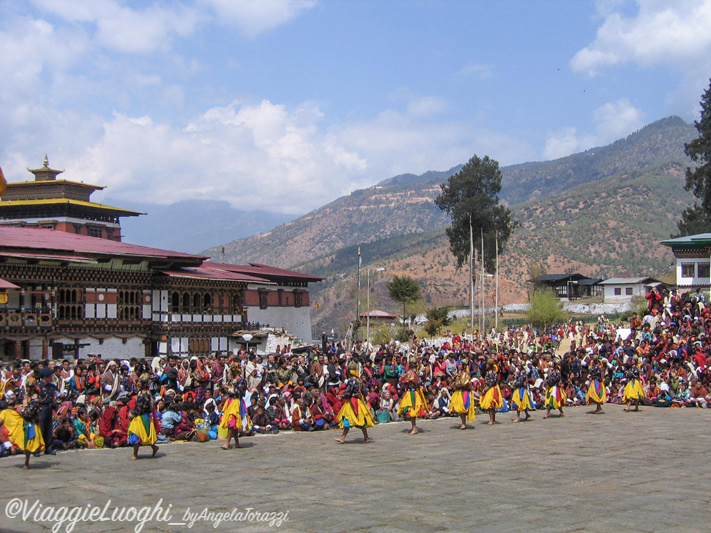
(697, 218)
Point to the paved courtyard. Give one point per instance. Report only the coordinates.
(646, 471)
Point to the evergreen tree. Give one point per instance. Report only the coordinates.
(472, 195)
(697, 218)
(404, 290)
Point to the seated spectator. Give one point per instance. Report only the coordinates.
(183, 429)
(85, 438)
(385, 413)
(698, 395)
(300, 418)
(170, 419)
(316, 414)
(664, 399)
(65, 437)
(6, 447)
(683, 396)
(276, 415)
(261, 423)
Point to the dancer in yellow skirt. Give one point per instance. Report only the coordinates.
(23, 431)
(492, 399)
(231, 417)
(634, 392)
(555, 395)
(596, 392)
(355, 412)
(462, 401)
(519, 394)
(142, 428)
(413, 403)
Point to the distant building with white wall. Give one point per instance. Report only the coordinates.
(692, 256)
(617, 290)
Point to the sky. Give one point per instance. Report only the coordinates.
(286, 105)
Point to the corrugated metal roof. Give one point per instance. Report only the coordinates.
(263, 271)
(7, 285)
(689, 239)
(45, 240)
(558, 277)
(207, 272)
(626, 281)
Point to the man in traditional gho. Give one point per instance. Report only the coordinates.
(520, 397)
(634, 392)
(355, 412)
(596, 391)
(555, 395)
(142, 429)
(462, 401)
(492, 399)
(110, 382)
(413, 403)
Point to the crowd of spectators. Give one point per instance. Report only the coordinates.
(90, 400)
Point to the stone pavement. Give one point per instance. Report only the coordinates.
(646, 471)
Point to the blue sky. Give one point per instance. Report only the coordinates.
(288, 104)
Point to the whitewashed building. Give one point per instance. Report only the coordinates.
(617, 290)
(692, 256)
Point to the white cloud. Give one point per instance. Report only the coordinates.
(126, 30)
(565, 142)
(30, 47)
(613, 120)
(659, 32)
(475, 70)
(253, 17)
(426, 106)
(254, 155)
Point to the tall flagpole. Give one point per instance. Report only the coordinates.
(497, 281)
(483, 297)
(358, 299)
(471, 273)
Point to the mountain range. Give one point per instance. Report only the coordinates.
(601, 212)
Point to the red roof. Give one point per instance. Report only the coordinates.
(263, 271)
(46, 240)
(207, 271)
(7, 285)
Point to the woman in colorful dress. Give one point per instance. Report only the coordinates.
(21, 421)
(462, 401)
(634, 392)
(520, 397)
(355, 412)
(492, 399)
(555, 396)
(413, 403)
(142, 428)
(596, 391)
(231, 417)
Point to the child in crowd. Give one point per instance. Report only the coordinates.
(65, 437)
